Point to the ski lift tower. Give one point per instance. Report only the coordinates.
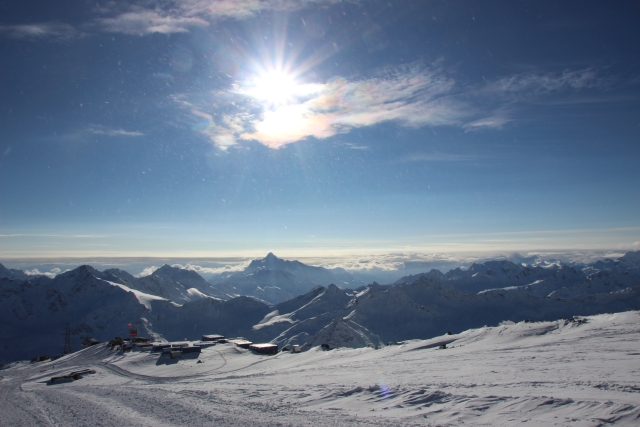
(67, 340)
(133, 331)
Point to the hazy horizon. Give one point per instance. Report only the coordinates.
(383, 268)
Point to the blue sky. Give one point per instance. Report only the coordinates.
(212, 128)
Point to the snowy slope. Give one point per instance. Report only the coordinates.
(562, 277)
(578, 372)
(33, 314)
(298, 320)
(193, 319)
(125, 277)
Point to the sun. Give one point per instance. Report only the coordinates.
(282, 105)
(275, 88)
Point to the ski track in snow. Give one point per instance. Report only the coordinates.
(547, 374)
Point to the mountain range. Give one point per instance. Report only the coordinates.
(271, 280)
(174, 303)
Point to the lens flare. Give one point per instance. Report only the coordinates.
(384, 388)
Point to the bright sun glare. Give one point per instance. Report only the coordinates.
(284, 103)
(275, 88)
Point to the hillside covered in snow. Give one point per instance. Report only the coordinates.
(581, 371)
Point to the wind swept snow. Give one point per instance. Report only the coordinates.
(196, 294)
(144, 299)
(580, 372)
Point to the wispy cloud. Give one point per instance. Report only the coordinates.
(492, 122)
(200, 269)
(398, 261)
(235, 9)
(410, 96)
(377, 263)
(41, 30)
(147, 271)
(545, 83)
(583, 257)
(223, 135)
(101, 130)
(411, 262)
(413, 96)
(182, 16)
(141, 21)
(166, 17)
(356, 146)
(214, 270)
(502, 96)
(50, 274)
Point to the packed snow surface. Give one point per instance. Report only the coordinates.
(576, 372)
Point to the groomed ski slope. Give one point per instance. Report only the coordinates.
(569, 373)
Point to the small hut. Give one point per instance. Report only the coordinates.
(242, 343)
(214, 337)
(160, 347)
(266, 348)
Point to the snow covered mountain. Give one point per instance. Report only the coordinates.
(606, 277)
(174, 304)
(276, 280)
(33, 314)
(501, 274)
(177, 284)
(629, 261)
(11, 273)
(429, 307)
(432, 303)
(268, 285)
(554, 279)
(297, 320)
(561, 281)
(318, 275)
